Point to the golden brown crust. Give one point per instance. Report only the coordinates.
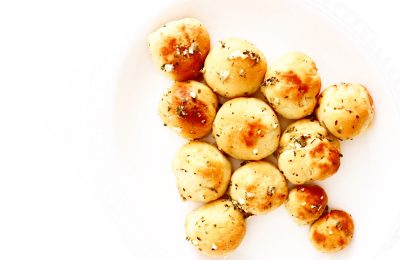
(251, 132)
(325, 157)
(307, 152)
(258, 187)
(292, 85)
(189, 107)
(235, 68)
(332, 232)
(202, 172)
(345, 109)
(180, 47)
(246, 129)
(306, 203)
(216, 228)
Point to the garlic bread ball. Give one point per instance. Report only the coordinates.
(306, 203)
(189, 108)
(307, 152)
(202, 172)
(216, 228)
(179, 48)
(246, 129)
(345, 109)
(292, 85)
(332, 232)
(258, 187)
(235, 68)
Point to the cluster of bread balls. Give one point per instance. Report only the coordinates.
(248, 129)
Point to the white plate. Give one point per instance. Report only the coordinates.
(363, 185)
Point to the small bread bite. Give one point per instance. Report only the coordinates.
(307, 152)
(258, 187)
(189, 108)
(292, 85)
(332, 232)
(306, 203)
(246, 129)
(345, 109)
(234, 68)
(216, 228)
(179, 48)
(202, 172)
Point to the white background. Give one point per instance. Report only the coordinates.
(52, 156)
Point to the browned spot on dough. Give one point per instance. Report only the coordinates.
(168, 48)
(185, 66)
(251, 132)
(213, 173)
(318, 237)
(251, 188)
(332, 155)
(314, 197)
(296, 88)
(282, 196)
(191, 112)
(346, 223)
(189, 68)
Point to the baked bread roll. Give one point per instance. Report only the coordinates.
(202, 172)
(189, 108)
(345, 109)
(216, 228)
(235, 68)
(258, 187)
(292, 85)
(179, 48)
(306, 203)
(307, 152)
(332, 232)
(246, 129)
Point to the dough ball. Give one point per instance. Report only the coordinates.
(246, 129)
(202, 172)
(307, 152)
(258, 187)
(235, 68)
(292, 85)
(306, 203)
(189, 108)
(332, 232)
(179, 48)
(345, 109)
(216, 228)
